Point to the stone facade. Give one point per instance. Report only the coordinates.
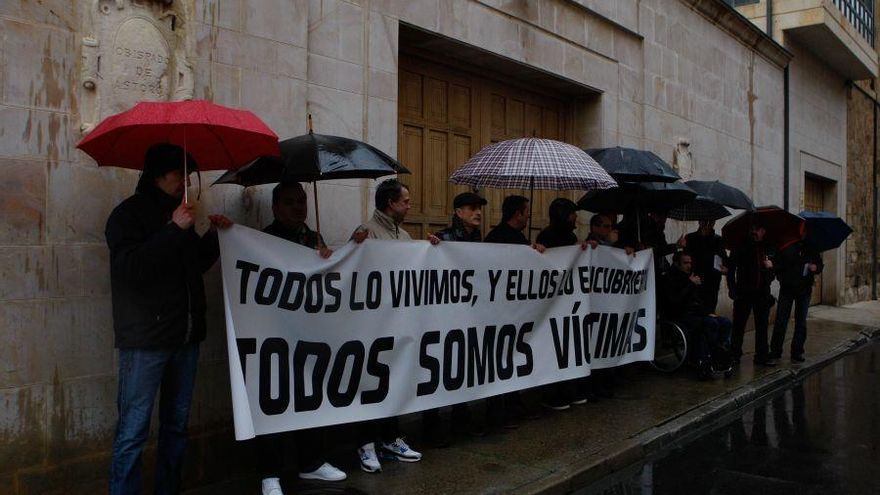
(663, 73)
(861, 211)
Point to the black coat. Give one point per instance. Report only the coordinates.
(556, 236)
(505, 234)
(156, 273)
(680, 297)
(746, 273)
(457, 233)
(788, 265)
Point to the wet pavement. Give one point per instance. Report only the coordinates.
(821, 436)
(564, 451)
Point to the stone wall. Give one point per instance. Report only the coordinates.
(860, 208)
(665, 71)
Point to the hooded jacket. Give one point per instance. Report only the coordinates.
(156, 271)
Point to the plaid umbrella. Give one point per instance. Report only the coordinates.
(532, 163)
(701, 208)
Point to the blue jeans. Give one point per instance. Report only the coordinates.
(142, 374)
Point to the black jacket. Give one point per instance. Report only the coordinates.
(457, 232)
(505, 234)
(746, 273)
(788, 265)
(156, 273)
(680, 297)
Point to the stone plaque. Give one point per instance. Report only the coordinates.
(139, 64)
(133, 50)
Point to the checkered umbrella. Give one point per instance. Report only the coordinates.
(532, 163)
(700, 208)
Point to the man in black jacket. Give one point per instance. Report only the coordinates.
(289, 209)
(156, 266)
(796, 266)
(710, 259)
(748, 283)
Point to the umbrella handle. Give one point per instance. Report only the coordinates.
(317, 217)
(531, 197)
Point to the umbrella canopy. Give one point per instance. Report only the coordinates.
(217, 137)
(632, 165)
(783, 228)
(532, 163)
(638, 195)
(722, 194)
(313, 157)
(825, 231)
(700, 208)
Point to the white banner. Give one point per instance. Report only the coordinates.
(392, 327)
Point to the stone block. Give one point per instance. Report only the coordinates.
(422, 13)
(291, 61)
(382, 85)
(90, 475)
(570, 24)
(22, 202)
(23, 359)
(453, 20)
(336, 112)
(339, 33)
(573, 62)
(82, 417)
(384, 41)
(219, 44)
(335, 74)
(23, 427)
(62, 14)
(224, 84)
(382, 125)
(40, 65)
(279, 101)
(26, 272)
(81, 199)
(280, 20)
(338, 222)
(33, 134)
(221, 13)
(78, 336)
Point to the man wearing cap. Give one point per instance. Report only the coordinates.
(156, 264)
(467, 217)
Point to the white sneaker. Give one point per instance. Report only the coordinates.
(369, 460)
(401, 451)
(327, 472)
(272, 486)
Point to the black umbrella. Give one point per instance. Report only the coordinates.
(701, 208)
(637, 195)
(825, 231)
(722, 194)
(632, 165)
(313, 157)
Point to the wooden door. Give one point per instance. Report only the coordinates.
(445, 115)
(814, 200)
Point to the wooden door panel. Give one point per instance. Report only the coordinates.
(410, 153)
(814, 200)
(435, 180)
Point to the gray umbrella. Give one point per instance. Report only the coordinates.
(701, 208)
(722, 194)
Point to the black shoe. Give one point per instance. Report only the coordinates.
(798, 358)
(766, 361)
(775, 355)
(437, 438)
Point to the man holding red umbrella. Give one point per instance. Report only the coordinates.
(156, 265)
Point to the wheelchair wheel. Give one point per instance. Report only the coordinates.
(670, 347)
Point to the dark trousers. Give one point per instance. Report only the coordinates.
(743, 305)
(309, 449)
(801, 304)
(461, 418)
(709, 335)
(385, 430)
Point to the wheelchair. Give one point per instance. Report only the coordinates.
(671, 352)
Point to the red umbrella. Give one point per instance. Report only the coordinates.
(217, 137)
(783, 228)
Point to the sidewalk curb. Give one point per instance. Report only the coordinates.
(677, 428)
